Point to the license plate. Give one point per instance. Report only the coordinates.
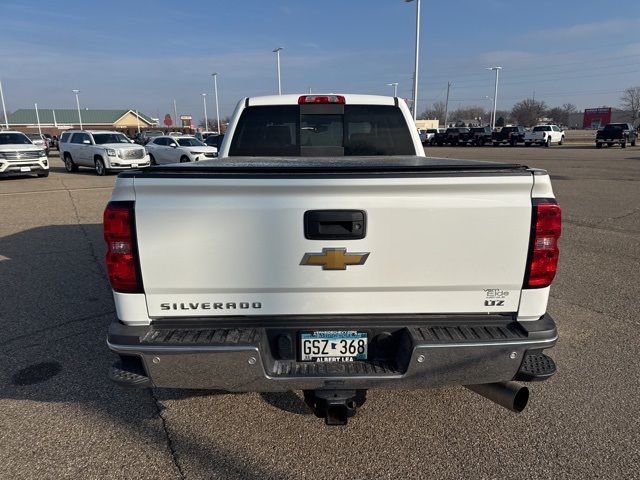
(333, 346)
(134, 165)
(25, 169)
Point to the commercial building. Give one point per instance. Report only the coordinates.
(55, 121)
(594, 118)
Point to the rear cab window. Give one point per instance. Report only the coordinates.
(321, 130)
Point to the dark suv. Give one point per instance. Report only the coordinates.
(511, 135)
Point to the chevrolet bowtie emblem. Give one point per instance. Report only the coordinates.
(334, 259)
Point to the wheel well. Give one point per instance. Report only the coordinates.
(98, 157)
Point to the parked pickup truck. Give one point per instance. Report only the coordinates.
(453, 136)
(622, 134)
(439, 137)
(544, 135)
(511, 135)
(323, 252)
(481, 135)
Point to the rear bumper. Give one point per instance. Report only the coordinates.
(422, 353)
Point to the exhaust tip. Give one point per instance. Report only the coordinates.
(509, 395)
(520, 400)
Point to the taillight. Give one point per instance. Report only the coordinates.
(546, 224)
(121, 259)
(304, 99)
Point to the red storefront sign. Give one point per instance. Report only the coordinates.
(596, 117)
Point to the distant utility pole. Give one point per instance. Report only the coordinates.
(38, 119)
(446, 106)
(4, 109)
(277, 52)
(495, 95)
(138, 120)
(415, 70)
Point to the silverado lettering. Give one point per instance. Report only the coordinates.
(211, 305)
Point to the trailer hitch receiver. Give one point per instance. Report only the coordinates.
(335, 406)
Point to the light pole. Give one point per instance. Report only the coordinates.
(38, 119)
(78, 105)
(175, 114)
(395, 88)
(415, 70)
(4, 109)
(487, 97)
(206, 120)
(277, 52)
(495, 96)
(215, 89)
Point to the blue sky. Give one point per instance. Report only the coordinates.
(143, 54)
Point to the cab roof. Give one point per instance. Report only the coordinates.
(292, 99)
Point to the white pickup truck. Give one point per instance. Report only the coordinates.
(324, 252)
(544, 135)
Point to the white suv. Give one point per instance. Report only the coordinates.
(169, 149)
(19, 156)
(103, 150)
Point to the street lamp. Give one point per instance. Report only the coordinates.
(495, 95)
(38, 119)
(215, 89)
(415, 70)
(487, 97)
(206, 120)
(395, 88)
(78, 105)
(277, 52)
(4, 109)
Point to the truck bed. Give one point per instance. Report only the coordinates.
(332, 166)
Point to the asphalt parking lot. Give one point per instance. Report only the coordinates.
(61, 418)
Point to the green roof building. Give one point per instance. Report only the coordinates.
(56, 120)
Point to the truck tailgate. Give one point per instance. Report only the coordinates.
(214, 246)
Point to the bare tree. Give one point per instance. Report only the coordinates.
(561, 115)
(630, 101)
(436, 111)
(465, 114)
(527, 112)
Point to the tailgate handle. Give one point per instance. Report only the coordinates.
(335, 224)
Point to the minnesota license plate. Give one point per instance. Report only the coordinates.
(333, 346)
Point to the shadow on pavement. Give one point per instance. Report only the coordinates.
(56, 306)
